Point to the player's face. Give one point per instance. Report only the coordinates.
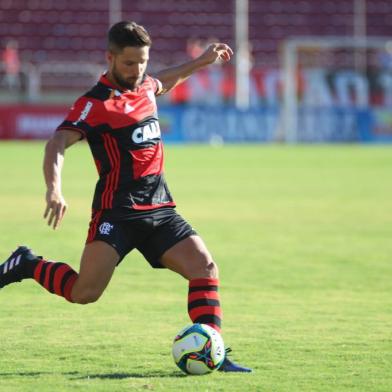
(127, 68)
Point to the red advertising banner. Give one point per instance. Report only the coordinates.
(30, 121)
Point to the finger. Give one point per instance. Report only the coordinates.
(48, 207)
(59, 217)
(53, 213)
(51, 216)
(225, 47)
(225, 56)
(56, 222)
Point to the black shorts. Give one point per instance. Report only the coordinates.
(152, 234)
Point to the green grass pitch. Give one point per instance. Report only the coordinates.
(303, 239)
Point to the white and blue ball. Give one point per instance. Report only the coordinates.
(198, 349)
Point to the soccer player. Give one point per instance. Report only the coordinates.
(132, 206)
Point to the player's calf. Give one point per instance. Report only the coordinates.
(204, 303)
(85, 296)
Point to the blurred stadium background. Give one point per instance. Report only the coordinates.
(305, 71)
(302, 235)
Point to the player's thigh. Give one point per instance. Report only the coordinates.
(97, 265)
(190, 258)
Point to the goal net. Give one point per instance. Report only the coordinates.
(337, 89)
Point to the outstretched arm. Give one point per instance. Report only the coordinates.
(171, 77)
(53, 164)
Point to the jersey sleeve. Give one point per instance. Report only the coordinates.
(158, 88)
(80, 117)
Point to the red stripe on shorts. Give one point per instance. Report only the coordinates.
(93, 226)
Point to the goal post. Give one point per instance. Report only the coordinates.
(327, 80)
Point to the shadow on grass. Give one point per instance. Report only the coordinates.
(33, 374)
(103, 376)
(119, 376)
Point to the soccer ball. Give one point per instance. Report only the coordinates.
(198, 349)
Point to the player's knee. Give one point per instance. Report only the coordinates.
(86, 297)
(205, 268)
(208, 266)
(212, 270)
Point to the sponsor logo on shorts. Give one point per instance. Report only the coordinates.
(105, 228)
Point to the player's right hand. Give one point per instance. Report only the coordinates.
(55, 208)
(216, 51)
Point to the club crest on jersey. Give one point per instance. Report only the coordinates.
(105, 228)
(84, 113)
(146, 132)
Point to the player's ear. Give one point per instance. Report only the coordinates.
(109, 57)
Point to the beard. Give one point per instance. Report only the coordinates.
(127, 84)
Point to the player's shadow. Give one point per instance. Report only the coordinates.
(103, 376)
(24, 374)
(120, 376)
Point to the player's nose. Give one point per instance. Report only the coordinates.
(136, 72)
(140, 69)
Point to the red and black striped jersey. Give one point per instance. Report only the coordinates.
(122, 130)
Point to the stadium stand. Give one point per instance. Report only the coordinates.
(73, 31)
(50, 30)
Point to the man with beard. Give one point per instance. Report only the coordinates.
(132, 206)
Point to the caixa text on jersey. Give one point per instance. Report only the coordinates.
(146, 132)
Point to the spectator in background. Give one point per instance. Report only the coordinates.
(181, 94)
(11, 65)
(194, 47)
(207, 86)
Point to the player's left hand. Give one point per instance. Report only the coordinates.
(216, 51)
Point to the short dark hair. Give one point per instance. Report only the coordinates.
(127, 33)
